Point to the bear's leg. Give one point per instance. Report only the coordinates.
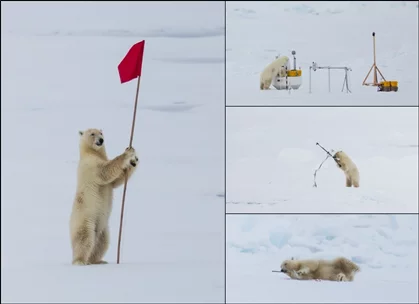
(348, 182)
(121, 180)
(83, 243)
(114, 169)
(356, 183)
(341, 277)
(101, 246)
(293, 275)
(303, 271)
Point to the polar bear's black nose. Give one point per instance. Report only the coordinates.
(101, 140)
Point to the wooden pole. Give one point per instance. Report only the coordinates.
(373, 46)
(126, 177)
(375, 62)
(373, 67)
(366, 77)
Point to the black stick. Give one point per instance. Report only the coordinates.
(324, 149)
(328, 153)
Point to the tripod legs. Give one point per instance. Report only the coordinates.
(345, 83)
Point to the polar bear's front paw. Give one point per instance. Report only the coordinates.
(130, 151)
(131, 157)
(295, 274)
(302, 271)
(341, 277)
(133, 162)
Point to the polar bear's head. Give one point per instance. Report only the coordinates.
(338, 155)
(92, 138)
(342, 159)
(289, 265)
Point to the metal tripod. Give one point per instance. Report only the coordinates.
(346, 81)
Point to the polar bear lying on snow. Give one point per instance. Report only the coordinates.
(339, 269)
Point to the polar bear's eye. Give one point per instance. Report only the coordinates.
(93, 134)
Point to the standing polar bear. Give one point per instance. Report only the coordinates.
(339, 269)
(277, 67)
(348, 167)
(97, 177)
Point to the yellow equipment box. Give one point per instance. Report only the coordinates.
(294, 73)
(388, 86)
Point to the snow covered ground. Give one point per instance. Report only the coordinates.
(272, 156)
(334, 33)
(384, 246)
(59, 75)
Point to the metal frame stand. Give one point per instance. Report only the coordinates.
(314, 67)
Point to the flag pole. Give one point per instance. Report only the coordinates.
(126, 177)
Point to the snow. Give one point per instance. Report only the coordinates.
(336, 34)
(384, 246)
(59, 75)
(272, 156)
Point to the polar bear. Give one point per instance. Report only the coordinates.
(96, 178)
(348, 167)
(339, 269)
(277, 67)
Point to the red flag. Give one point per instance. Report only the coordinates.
(130, 67)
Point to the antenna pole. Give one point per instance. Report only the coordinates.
(373, 67)
(375, 62)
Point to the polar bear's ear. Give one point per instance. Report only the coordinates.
(80, 133)
(292, 258)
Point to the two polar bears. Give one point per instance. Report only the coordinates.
(348, 167)
(276, 68)
(97, 177)
(339, 269)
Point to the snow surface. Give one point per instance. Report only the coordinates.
(272, 156)
(59, 75)
(384, 246)
(337, 33)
